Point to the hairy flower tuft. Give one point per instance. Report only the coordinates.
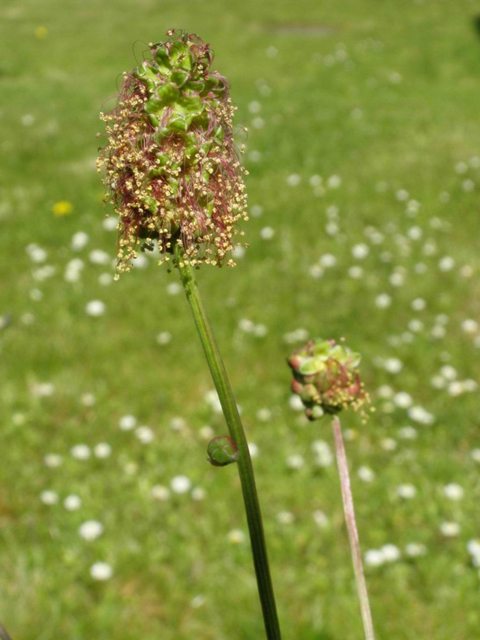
(326, 378)
(170, 167)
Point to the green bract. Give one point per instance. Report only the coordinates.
(326, 377)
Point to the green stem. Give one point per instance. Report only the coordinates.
(245, 467)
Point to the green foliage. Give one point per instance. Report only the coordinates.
(350, 106)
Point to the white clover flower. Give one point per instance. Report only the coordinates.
(36, 253)
(415, 550)
(397, 279)
(360, 251)
(244, 324)
(470, 326)
(267, 233)
(105, 279)
(447, 263)
(285, 517)
(393, 365)
(475, 455)
(53, 460)
(406, 491)
(180, 484)
(295, 461)
(42, 389)
(102, 450)
(366, 474)
(173, 289)
(316, 271)
(461, 167)
(236, 536)
(323, 453)
(198, 601)
(466, 271)
(88, 400)
(415, 233)
(456, 388)
(212, 399)
(238, 252)
(334, 182)
(385, 392)
(421, 415)
(49, 497)
(418, 304)
(390, 552)
(145, 434)
(438, 332)
(416, 325)
(264, 415)
(91, 530)
(320, 519)
(253, 449)
(383, 301)
(256, 210)
(95, 308)
(110, 223)
(254, 106)
(473, 547)
(260, 330)
(140, 262)
(327, 261)
(450, 529)
(206, 432)
(403, 400)
(449, 372)
(97, 256)
(407, 433)
(127, 423)
(164, 337)
(453, 491)
(315, 180)
(198, 494)
(374, 558)
(389, 444)
(293, 180)
(80, 452)
(159, 492)
(101, 571)
(356, 272)
(72, 503)
(295, 403)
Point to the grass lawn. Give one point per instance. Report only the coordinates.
(364, 157)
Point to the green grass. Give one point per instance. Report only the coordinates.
(384, 95)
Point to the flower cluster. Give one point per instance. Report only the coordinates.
(171, 169)
(326, 378)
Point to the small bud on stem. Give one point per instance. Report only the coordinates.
(222, 451)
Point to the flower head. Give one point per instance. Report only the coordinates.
(171, 169)
(326, 377)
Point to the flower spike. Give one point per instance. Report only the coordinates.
(326, 378)
(170, 167)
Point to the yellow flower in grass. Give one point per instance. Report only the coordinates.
(41, 32)
(62, 208)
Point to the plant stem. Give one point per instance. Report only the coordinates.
(349, 512)
(3, 633)
(245, 467)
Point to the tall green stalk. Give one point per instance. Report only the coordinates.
(245, 467)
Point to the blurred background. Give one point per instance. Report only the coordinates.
(364, 158)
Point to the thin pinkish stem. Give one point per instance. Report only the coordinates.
(349, 512)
